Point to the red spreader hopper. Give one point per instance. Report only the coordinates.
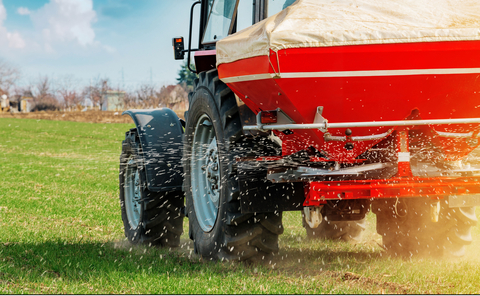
(326, 68)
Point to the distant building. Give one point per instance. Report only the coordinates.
(15, 103)
(113, 100)
(19, 103)
(26, 104)
(4, 103)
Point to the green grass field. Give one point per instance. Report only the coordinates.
(61, 232)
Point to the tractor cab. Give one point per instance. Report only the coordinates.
(220, 18)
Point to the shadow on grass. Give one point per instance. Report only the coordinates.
(80, 261)
(73, 261)
(119, 267)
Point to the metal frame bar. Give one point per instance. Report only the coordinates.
(233, 23)
(317, 193)
(326, 125)
(304, 174)
(259, 11)
(190, 36)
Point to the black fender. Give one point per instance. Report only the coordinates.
(161, 136)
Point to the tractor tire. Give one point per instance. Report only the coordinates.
(152, 218)
(213, 139)
(347, 231)
(407, 229)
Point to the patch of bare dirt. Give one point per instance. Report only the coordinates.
(382, 285)
(94, 116)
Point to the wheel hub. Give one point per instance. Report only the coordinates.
(212, 174)
(132, 193)
(205, 173)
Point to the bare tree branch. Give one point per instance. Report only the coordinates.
(96, 90)
(71, 97)
(9, 76)
(43, 97)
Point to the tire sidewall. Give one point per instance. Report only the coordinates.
(206, 243)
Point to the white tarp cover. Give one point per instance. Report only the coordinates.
(322, 23)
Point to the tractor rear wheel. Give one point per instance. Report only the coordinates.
(213, 139)
(152, 218)
(348, 231)
(407, 229)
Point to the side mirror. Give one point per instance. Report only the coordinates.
(178, 48)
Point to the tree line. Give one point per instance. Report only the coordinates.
(67, 93)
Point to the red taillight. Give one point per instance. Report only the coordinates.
(268, 117)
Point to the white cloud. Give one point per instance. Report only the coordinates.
(23, 11)
(3, 12)
(59, 26)
(109, 49)
(13, 39)
(65, 21)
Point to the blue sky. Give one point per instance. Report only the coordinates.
(91, 38)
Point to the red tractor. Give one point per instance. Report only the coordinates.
(332, 108)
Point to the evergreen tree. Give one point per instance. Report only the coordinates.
(185, 76)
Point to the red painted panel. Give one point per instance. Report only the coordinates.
(428, 55)
(256, 65)
(374, 98)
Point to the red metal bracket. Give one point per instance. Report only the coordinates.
(317, 193)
